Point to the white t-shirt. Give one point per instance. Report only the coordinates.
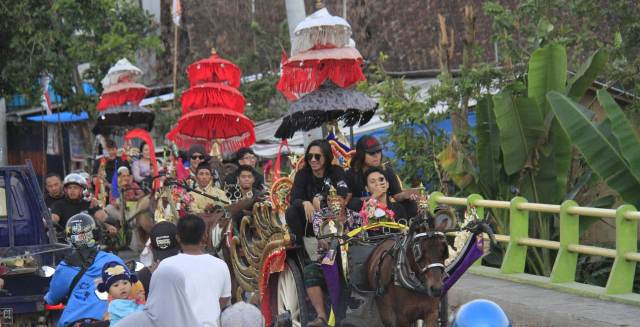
(207, 279)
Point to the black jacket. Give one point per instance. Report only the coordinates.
(306, 186)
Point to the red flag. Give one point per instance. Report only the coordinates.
(45, 99)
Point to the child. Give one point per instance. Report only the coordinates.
(119, 283)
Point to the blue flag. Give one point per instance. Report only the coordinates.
(115, 192)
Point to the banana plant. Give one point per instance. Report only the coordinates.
(534, 155)
(611, 148)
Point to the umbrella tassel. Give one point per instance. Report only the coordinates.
(321, 37)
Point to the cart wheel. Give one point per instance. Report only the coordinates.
(289, 294)
(443, 312)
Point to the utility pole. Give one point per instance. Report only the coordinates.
(3, 133)
(295, 14)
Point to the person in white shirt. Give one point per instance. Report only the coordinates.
(207, 278)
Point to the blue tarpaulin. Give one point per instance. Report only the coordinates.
(60, 117)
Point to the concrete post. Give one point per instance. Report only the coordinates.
(3, 133)
(295, 14)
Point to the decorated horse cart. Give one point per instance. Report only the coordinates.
(383, 262)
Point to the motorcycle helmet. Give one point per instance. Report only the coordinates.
(81, 231)
(74, 178)
(480, 313)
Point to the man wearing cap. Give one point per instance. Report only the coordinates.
(163, 245)
(246, 157)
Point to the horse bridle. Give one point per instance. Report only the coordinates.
(417, 251)
(403, 274)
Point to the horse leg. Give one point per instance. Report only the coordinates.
(431, 317)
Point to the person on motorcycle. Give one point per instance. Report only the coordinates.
(73, 283)
(53, 186)
(75, 203)
(479, 313)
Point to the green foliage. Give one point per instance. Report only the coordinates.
(521, 125)
(611, 149)
(582, 26)
(263, 99)
(413, 130)
(54, 37)
(263, 59)
(265, 54)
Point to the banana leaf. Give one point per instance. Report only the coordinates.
(521, 125)
(587, 73)
(621, 128)
(548, 72)
(598, 151)
(488, 147)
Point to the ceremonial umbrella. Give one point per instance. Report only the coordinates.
(121, 118)
(321, 30)
(212, 95)
(327, 103)
(122, 71)
(307, 71)
(228, 128)
(214, 69)
(120, 94)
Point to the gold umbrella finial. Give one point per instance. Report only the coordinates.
(319, 4)
(214, 51)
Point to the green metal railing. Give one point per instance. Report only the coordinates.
(620, 282)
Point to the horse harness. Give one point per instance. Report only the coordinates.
(402, 273)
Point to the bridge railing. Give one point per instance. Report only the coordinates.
(619, 285)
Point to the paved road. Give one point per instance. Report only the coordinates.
(531, 306)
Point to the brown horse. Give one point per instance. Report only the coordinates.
(408, 275)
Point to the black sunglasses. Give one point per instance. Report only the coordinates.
(196, 157)
(374, 152)
(311, 156)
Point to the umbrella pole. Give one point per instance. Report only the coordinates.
(175, 63)
(64, 160)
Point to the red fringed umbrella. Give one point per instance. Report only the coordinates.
(121, 94)
(214, 69)
(212, 95)
(307, 71)
(231, 129)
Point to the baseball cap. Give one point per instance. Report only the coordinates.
(368, 144)
(163, 240)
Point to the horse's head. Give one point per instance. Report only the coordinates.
(426, 254)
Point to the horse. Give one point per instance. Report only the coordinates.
(407, 274)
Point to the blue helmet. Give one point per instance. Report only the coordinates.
(480, 313)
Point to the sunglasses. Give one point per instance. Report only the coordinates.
(197, 157)
(373, 153)
(312, 156)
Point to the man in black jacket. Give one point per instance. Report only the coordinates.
(311, 187)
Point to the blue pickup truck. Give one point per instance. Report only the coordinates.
(28, 246)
